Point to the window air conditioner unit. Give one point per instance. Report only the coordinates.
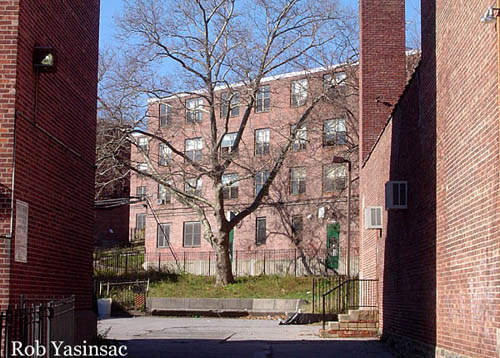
(396, 195)
(373, 217)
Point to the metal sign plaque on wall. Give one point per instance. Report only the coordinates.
(21, 242)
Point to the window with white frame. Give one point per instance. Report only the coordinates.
(298, 180)
(260, 231)
(260, 180)
(263, 100)
(228, 142)
(337, 80)
(230, 102)
(163, 235)
(165, 154)
(165, 115)
(299, 92)
(231, 186)
(334, 177)
(262, 140)
(300, 137)
(340, 78)
(140, 221)
(163, 194)
(143, 143)
(334, 132)
(193, 148)
(192, 234)
(141, 192)
(194, 112)
(193, 186)
(373, 217)
(328, 82)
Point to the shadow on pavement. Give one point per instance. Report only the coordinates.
(201, 348)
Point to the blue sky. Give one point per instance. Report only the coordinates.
(110, 8)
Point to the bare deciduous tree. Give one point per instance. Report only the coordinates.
(209, 47)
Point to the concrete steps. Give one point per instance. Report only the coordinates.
(361, 323)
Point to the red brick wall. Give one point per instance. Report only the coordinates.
(382, 78)
(382, 66)
(8, 51)
(438, 260)
(55, 157)
(377, 169)
(402, 254)
(115, 219)
(468, 246)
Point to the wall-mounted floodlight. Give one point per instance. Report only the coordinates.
(45, 59)
(490, 16)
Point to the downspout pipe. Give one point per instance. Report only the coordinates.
(12, 188)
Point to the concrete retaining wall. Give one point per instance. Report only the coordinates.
(250, 305)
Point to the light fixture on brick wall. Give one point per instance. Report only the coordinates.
(490, 16)
(45, 59)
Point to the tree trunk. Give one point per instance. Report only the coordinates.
(303, 258)
(223, 269)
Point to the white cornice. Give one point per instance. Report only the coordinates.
(264, 80)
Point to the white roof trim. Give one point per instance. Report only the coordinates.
(265, 79)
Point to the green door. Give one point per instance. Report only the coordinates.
(229, 216)
(231, 242)
(332, 244)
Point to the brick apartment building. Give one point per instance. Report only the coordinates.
(308, 196)
(47, 152)
(436, 250)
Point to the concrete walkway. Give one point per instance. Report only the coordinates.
(243, 338)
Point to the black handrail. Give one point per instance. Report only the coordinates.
(364, 294)
(321, 285)
(326, 294)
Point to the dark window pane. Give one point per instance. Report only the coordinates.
(402, 193)
(263, 102)
(334, 178)
(260, 180)
(260, 231)
(165, 115)
(197, 234)
(373, 216)
(341, 138)
(395, 193)
(140, 221)
(340, 183)
(192, 234)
